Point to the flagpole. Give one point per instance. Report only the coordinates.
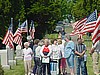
(12, 24)
(19, 22)
(27, 27)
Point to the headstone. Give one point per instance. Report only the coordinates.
(4, 59)
(10, 53)
(18, 53)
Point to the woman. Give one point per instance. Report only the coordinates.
(27, 54)
(69, 53)
(45, 53)
(63, 65)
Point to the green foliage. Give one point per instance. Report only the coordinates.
(1, 70)
(45, 13)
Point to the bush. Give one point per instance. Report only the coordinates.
(1, 70)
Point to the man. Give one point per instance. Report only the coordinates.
(95, 56)
(80, 50)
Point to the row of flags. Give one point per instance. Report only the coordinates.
(17, 36)
(88, 24)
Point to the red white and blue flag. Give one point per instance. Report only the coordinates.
(96, 33)
(18, 36)
(24, 27)
(90, 22)
(32, 29)
(8, 39)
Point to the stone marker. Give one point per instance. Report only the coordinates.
(4, 59)
(18, 53)
(10, 53)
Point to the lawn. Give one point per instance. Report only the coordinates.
(16, 70)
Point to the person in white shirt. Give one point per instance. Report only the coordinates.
(45, 52)
(62, 64)
(38, 58)
(27, 55)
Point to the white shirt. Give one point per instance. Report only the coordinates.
(27, 53)
(56, 53)
(37, 51)
(61, 46)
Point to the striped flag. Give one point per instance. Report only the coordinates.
(96, 33)
(18, 36)
(32, 30)
(90, 22)
(80, 25)
(8, 39)
(24, 27)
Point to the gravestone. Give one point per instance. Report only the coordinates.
(18, 53)
(4, 59)
(10, 56)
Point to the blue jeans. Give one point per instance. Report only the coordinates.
(80, 64)
(70, 61)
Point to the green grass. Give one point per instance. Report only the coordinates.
(16, 70)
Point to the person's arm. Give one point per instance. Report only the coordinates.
(76, 52)
(41, 51)
(84, 50)
(49, 52)
(92, 51)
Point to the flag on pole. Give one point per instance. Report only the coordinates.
(96, 33)
(32, 30)
(90, 22)
(18, 36)
(8, 39)
(81, 23)
(24, 27)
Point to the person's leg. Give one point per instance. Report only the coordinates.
(71, 64)
(95, 57)
(78, 65)
(48, 69)
(85, 67)
(29, 64)
(44, 69)
(83, 72)
(39, 67)
(25, 66)
(35, 66)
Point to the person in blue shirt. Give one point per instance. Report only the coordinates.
(69, 53)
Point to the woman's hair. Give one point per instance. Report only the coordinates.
(41, 43)
(59, 41)
(68, 37)
(36, 41)
(26, 43)
(53, 40)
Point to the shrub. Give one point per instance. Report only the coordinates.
(1, 70)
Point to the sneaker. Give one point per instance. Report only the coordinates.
(29, 73)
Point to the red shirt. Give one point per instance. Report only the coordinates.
(46, 49)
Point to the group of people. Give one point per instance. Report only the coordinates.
(64, 51)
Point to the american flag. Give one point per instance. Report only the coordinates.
(8, 39)
(24, 27)
(18, 36)
(80, 25)
(90, 22)
(32, 30)
(96, 33)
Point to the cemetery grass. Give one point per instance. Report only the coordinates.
(16, 70)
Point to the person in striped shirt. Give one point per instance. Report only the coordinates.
(80, 50)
